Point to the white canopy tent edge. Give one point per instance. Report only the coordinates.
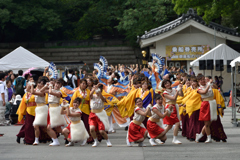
(234, 78)
(220, 52)
(21, 59)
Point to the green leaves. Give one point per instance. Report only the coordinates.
(37, 16)
(143, 15)
(43, 20)
(211, 9)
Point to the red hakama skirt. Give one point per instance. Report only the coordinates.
(173, 118)
(95, 121)
(135, 132)
(204, 114)
(154, 129)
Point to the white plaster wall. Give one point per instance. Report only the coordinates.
(190, 36)
(152, 50)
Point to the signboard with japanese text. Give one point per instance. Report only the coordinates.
(185, 52)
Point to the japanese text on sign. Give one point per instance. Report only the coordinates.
(186, 52)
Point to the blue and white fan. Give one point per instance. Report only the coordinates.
(99, 68)
(104, 62)
(159, 60)
(53, 73)
(157, 67)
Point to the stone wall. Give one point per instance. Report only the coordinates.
(114, 55)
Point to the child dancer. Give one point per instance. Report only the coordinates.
(56, 118)
(208, 110)
(170, 95)
(76, 130)
(154, 124)
(136, 131)
(98, 119)
(41, 111)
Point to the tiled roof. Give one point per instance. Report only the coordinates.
(191, 14)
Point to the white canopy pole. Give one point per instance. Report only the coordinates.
(234, 95)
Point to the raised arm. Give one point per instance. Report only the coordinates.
(180, 92)
(57, 94)
(146, 113)
(173, 98)
(204, 91)
(36, 92)
(159, 113)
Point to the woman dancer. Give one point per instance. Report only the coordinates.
(136, 131)
(27, 108)
(208, 110)
(98, 119)
(111, 89)
(170, 95)
(41, 110)
(182, 107)
(154, 125)
(75, 131)
(56, 118)
(192, 103)
(84, 94)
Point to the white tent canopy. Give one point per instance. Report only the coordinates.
(22, 59)
(221, 52)
(234, 61)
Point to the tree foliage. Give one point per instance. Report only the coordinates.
(143, 15)
(226, 10)
(28, 17)
(45, 20)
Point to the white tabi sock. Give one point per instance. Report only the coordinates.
(209, 136)
(174, 138)
(36, 139)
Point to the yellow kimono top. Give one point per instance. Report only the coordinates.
(27, 104)
(84, 106)
(127, 105)
(185, 91)
(193, 102)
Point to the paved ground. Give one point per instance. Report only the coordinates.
(10, 150)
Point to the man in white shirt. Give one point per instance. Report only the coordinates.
(70, 78)
(2, 100)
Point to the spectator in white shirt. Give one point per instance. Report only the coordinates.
(2, 100)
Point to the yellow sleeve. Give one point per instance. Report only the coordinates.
(22, 108)
(63, 93)
(83, 107)
(127, 104)
(75, 95)
(31, 109)
(152, 94)
(193, 103)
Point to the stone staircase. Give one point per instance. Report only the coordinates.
(114, 55)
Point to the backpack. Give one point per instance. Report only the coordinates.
(69, 81)
(19, 86)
